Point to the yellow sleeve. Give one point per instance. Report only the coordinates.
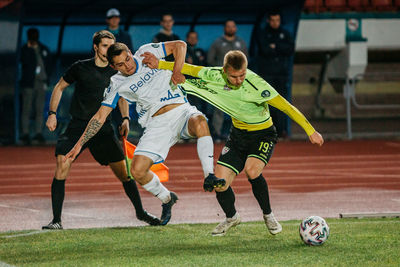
(188, 69)
(280, 103)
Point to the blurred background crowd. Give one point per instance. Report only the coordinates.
(337, 60)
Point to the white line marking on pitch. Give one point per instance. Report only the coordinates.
(3, 264)
(25, 234)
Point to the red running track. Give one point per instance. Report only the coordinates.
(340, 177)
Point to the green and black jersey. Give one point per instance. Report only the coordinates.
(246, 104)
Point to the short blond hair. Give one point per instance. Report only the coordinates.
(235, 59)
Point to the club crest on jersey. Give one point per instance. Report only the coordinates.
(227, 88)
(169, 97)
(225, 150)
(265, 93)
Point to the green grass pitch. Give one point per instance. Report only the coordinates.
(352, 242)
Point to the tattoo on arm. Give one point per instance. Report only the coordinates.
(92, 128)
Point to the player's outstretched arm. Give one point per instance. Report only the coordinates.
(282, 104)
(56, 95)
(94, 125)
(154, 63)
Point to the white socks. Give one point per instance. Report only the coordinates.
(205, 150)
(157, 189)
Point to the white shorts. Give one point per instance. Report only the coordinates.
(163, 131)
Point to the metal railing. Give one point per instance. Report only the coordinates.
(349, 92)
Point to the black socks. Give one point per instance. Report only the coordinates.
(132, 192)
(260, 191)
(226, 200)
(57, 198)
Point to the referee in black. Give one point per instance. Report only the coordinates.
(91, 77)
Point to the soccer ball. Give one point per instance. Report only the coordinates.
(314, 231)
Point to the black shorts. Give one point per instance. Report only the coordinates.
(243, 144)
(104, 146)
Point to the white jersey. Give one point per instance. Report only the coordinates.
(150, 88)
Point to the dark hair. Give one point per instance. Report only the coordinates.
(227, 20)
(273, 12)
(97, 36)
(166, 14)
(115, 50)
(189, 32)
(235, 59)
(33, 34)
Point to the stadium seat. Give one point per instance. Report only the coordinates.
(355, 5)
(382, 5)
(314, 6)
(359, 5)
(336, 5)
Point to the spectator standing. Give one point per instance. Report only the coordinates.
(35, 64)
(166, 33)
(197, 56)
(222, 45)
(113, 19)
(275, 47)
(194, 54)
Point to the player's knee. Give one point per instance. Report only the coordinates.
(138, 173)
(251, 173)
(201, 126)
(62, 167)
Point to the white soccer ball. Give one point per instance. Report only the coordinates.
(314, 230)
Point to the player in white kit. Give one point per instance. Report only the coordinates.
(163, 111)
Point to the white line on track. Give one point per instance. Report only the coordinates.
(18, 208)
(187, 161)
(34, 210)
(392, 144)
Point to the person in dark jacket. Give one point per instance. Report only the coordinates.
(197, 56)
(275, 47)
(194, 54)
(166, 34)
(113, 19)
(35, 66)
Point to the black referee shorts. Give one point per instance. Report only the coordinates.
(104, 146)
(243, 144)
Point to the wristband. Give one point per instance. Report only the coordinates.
(126, 118)
(51, 113)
